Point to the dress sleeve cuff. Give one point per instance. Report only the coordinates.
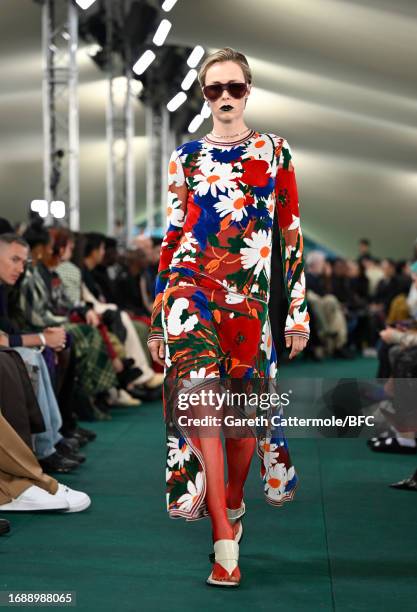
(155, 335)
(297, 332)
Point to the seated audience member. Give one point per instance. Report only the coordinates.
(91, 292)
(388, 288)
(68, 303)
(125, 336)
(149, 276)
(328, 312)
(356, 306)
(50, 446)
(93, 369)
(373, 272)
(24, 486)
(128, 287)
(397, 355)
(106, 272)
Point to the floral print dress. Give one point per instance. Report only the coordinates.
(212, 292)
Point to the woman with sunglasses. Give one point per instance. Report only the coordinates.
(210, 315)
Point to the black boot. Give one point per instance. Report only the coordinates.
(58, 464)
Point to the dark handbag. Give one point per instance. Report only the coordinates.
(113, 321)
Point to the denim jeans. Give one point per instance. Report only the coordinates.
(44, 443)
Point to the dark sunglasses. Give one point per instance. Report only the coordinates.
(236, 90)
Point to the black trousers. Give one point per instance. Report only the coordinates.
(18, 403)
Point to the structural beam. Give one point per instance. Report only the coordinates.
(60, 106)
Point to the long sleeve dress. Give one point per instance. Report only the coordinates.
(212, 290)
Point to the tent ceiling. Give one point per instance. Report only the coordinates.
(336, 78)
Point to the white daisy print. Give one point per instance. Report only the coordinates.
(175, 171)
(234, 298)
(194, 490)
(266, 344)
(258, 147)
(295, 223)
(276, 479)
(179, 451)
(231, 296)
(232, 204)
(186, 245)
(271, 454)
(258, 252)
(174, 212)
(297, 318)
(297, 295)
(174, 324)
(196, 374)
(214, 178)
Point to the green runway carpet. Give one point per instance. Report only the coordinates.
(347, 542)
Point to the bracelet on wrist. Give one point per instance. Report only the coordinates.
(42, 339)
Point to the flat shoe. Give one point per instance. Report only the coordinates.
(225, 572)
(238, 539)
(408, 484)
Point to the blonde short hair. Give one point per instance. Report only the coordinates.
(227, 54)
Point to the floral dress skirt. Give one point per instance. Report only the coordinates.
(213, 338)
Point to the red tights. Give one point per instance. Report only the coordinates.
(239, 454)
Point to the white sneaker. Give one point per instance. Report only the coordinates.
(35, 499)
(156, 381)
(77, 501)
(121, 397)
(125, 399)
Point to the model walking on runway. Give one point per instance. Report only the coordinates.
(210, 315)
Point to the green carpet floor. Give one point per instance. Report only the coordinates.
(347, 542)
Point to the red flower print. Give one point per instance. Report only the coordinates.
(287, 196)
(166, 255)
(241, 336)
(193, 215)
(255, 172)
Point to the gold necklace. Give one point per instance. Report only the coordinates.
(229, 135)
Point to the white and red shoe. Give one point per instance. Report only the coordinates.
(225, 572)
(234, 516)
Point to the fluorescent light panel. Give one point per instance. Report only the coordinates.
(195, 56)
(195, 123)
(176, 101)
(189, 79)
(162, 32)
(85, 4)
(205, 111)
(168, 5)
(144, 62)
(58, 209)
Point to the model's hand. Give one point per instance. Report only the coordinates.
(157, 350)
(296, 343)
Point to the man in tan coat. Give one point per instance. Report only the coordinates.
(23, 484)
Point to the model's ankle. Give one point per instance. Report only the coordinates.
(234, 499)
